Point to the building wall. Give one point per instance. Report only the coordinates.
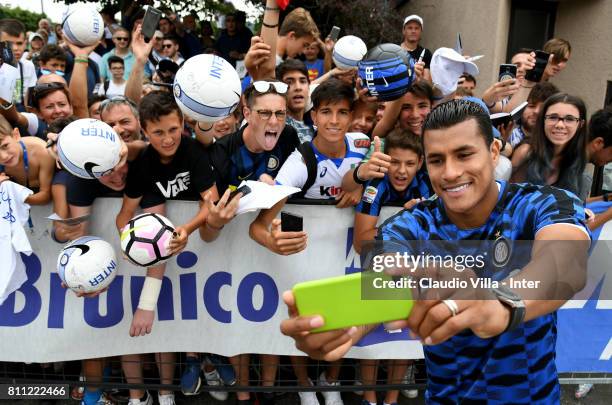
(483, 25)
(587, 24)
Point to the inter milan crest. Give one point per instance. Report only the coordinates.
(502, 250)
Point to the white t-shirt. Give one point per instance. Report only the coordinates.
(29, 80)
(8, 78)
(329, 171)
(113, 89)
(14, 214)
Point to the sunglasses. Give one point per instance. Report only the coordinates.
(166, 46)
(264, 87)
(115, 100)
(45, 72)
(122, 38)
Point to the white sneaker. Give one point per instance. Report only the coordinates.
(331, 397)
(214, 380)
(146, 400)
(166, 399)
(358, 383)
(409, 379)
(308, 398)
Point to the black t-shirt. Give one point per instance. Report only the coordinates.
(233, 162)
(184, 178)
(417, 53)
(83, 192)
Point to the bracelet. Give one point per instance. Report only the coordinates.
(204, 129)
(492, 105)
(356, 176)
(272, 8)
(269, 25)
(528, 87)
(214, 228)
(81, 60)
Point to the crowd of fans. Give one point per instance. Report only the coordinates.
(368, 153)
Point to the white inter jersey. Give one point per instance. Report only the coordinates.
(329, 171)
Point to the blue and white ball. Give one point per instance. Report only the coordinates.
(89, 148)
(83, 25)
(349, 51)
(207, 88)
(87, 264)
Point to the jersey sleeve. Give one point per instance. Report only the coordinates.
(293, 172)
(32, 123)
(556, 206)
(202, 172)
(372, 199)
(402, 226)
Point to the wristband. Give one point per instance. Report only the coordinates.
(272, 8)
(492, 105)
(81, 60)
(270, 25)
(150, 293)
(356, 176)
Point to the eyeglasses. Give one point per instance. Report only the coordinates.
(267, 114)
(166, 46)
(122, 38)
(568, 120)
(45, 72)
(115, 100)
(263, 86)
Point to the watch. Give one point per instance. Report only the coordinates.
(514, 302)
(7, 105)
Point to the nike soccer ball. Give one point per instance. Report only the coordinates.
(145, 239)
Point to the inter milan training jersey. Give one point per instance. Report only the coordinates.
(378, 192)
(517, 366)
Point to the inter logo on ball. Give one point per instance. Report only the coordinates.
(145, 239)
(83, 25)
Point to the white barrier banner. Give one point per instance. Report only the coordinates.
(222, 297)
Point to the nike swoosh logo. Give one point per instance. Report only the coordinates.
(385, 80)
(245, 177)
(83, 248)
(127, 232)
(89, 166)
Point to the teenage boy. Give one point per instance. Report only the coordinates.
(294, 74)
(500, 349)
(317, 168)
(13, 31)
(116, 85)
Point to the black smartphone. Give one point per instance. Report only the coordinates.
(507, 71)
(150, 21)
(334, 33)
(6, 53)
(535, 74)
(291, 222)
(244, 190)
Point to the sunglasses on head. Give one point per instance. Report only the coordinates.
(115, 100)
(45, 72)
(264, 87)
(41, 90)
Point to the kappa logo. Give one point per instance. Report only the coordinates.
(180, 183)
(369, 194)
(361, 143)
(273, 163)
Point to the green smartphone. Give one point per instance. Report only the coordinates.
(340, 302)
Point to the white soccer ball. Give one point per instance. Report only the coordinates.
(145, 239)
(349, 51)
(207, 88)
(87, 264)
(83, 25)
(89, 148)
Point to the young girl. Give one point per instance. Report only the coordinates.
(556, 152)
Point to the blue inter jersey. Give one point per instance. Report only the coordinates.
(517, 366)
(378, 192)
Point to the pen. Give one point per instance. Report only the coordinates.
(50, 143)
(421, 57)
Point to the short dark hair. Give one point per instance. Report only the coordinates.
(403, 139)
(12, 27)
(541, 92)
(115, 59)
(454, 112)
(155, 105)
(41, 91)
(332, 91)
(58, 125)
(600, 125)
(52, 51)
(250, 94)
(171, 37)
(468, 78)
(93, 99)
(291, 65)
(422, 89)
(522, 50)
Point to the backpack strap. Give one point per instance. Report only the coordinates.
(311, 167)
(106, 86)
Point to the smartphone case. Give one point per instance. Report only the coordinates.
(338, 300)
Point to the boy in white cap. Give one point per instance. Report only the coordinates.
(412, 30)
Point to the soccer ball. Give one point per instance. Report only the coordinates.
(83, 25)
(349, 51)
(88, 148)
(87, 264)
(387, 71)
(207, 88)
(145, 239)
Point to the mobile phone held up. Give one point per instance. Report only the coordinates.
(507, 71)
(150, 21)
(291, 222)
(334, 33)
(341, 302)
(535, 74)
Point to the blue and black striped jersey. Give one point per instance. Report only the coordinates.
(378, 192)
(517, 366)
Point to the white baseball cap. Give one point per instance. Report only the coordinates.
(413, 17)
(447, 65)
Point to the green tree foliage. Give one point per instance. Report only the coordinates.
(28, 18)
